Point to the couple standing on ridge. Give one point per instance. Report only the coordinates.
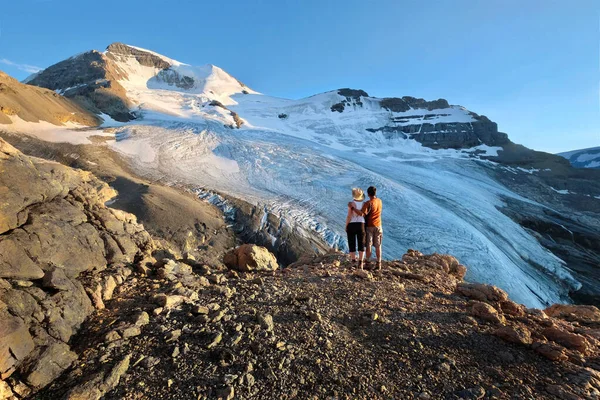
(362, 212)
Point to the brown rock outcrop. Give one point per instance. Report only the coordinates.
(584, 314)
(54, 225)
(567, 339)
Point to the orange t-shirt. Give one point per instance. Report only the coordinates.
(372, 210)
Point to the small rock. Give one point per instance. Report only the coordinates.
(215, 340)
(96, 297)
(56, 279)
(173, 335)
(266, 322)
(112, 336)
(164, 300)
(157, 311)
(551, 351)
(150, 362)
(142, 319)
(21, 389)
(567, 339)
(108, 288)
(175, 352)
(315, 316)
(443, 367)
(200, 310)
(5, 391)
(250, 379)
(472, 393)
(132, 331)
(363, 274)
(23, 284)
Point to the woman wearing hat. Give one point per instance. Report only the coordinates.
(355, 228)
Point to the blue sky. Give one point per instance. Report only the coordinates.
(533, 66)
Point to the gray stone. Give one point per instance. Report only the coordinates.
(49, 365)
(56, 279)
(15, 342)
(101, 383)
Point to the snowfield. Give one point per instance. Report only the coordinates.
(300, 159)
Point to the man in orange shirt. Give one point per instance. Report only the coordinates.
(371, 210)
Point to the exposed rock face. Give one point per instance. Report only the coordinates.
(443, 135)
(584, 314)
(249, 257)
(406, 103)
(54, 226)
(36, 104)
(90, 79)
(143, 57)
(415, 118)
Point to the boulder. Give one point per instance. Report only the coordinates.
(585, 314)
(567, 339)
(551, 351)
(481, 292)
(514, 334)
(485, 311)
(249, 257)
(511, 308)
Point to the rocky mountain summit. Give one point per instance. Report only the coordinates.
(94, 307)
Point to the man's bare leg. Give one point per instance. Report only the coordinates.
(378, 253)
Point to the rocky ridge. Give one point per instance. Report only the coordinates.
(33, 104)
(321, 329)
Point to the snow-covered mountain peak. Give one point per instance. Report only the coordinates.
(142, 69)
